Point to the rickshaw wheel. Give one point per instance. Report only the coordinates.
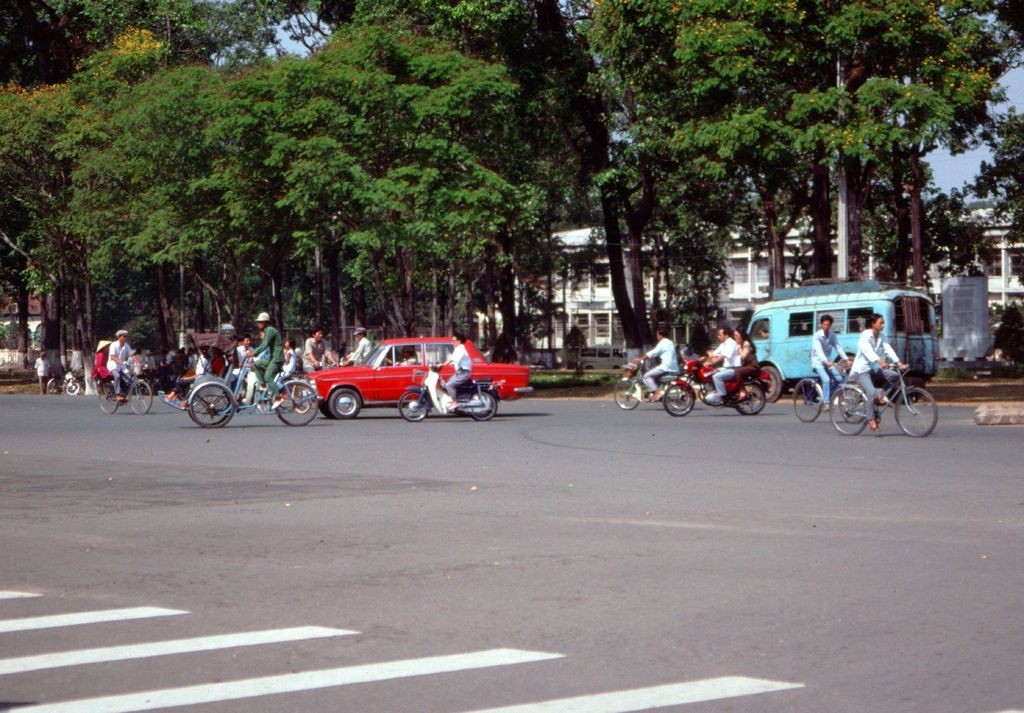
(211, 406)
(302, 407)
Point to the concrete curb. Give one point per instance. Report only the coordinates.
(1000, 413)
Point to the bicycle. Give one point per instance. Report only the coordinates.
(137, 393)
(807, 401)
(69, 385)
(915, 409)
(631, 389)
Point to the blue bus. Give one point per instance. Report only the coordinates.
(782, 329)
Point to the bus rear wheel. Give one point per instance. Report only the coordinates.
(773, 390)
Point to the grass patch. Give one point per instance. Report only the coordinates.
(995, 371)
(567, 380)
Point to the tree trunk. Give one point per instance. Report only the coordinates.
(902, 220)
(776, 247)
(916, 178)
(318, 286)
(165, 313)
(821, 217)
(631, 328)
(23, 337)
(858, 177)
(507, 290)
(337, 302)
(51, 339)
(359, 306)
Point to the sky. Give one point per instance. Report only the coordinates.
(954, 171)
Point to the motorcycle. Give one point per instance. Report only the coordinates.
(697, 378)
(476, 399)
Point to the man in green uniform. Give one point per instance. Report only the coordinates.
(266, 368)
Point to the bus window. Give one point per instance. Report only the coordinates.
(912, 316)
(838, 320)
(859, 319)
(760, 329)
(801, 324)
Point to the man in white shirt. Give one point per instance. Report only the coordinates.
(363, 349)
(118, 361)
(824, 344)
(871, 357)
(463, 366)
(315, 354)
(728, 356)
(668, 362)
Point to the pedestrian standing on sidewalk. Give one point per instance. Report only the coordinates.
(41, 371)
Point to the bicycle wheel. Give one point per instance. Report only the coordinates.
(807, 400)
(299, 406)
(108, 401)
(917, 414)
(410, 408)
(211, 406)
(849, 410)
(755, 401)
(627, 394)
(140, 397)
(73, 388)
(53, 386)
(678, 400)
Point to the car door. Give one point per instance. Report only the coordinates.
(396, 370)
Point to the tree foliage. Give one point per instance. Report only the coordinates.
(425, 150)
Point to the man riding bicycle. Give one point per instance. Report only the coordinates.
(668, 362)
(871, 361)
(118, 365)
(824, 345)
(266, 368)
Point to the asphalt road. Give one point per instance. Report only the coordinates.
(564, 550)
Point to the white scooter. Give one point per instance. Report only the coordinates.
(477, 399)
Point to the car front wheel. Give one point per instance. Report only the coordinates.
(344, 403)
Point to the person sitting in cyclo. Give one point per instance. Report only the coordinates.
(186, 380)
(118, 362)
(668, 362)
(869, 363)
(267, 367)
(824, 345)
(291, 362)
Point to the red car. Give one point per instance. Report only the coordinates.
(345, 390)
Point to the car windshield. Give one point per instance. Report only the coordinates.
(376, 355)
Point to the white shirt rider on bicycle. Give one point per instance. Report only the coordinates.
(824, 345)
(875, 357)
(118, 361)
(668, 362)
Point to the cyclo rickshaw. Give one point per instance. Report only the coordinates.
(216, 397)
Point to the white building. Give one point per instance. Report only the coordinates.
(583, 296)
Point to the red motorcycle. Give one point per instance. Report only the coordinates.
(696, 380)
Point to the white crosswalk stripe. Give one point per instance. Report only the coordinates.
(623, 701)
(79, 618)
(292, 682)
(643, 699)
(166, 648)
